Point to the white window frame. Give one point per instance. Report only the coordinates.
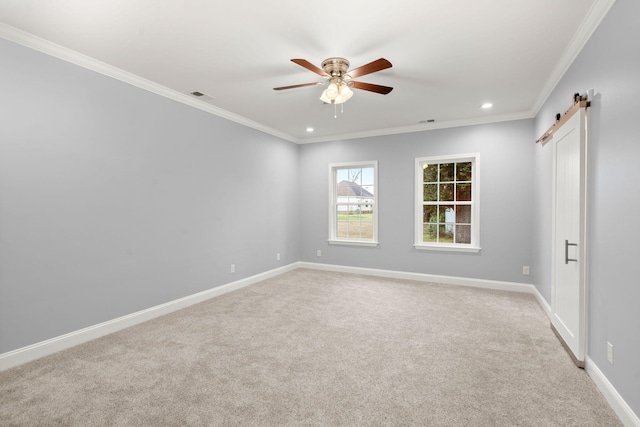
(333, 185)
(474, 246)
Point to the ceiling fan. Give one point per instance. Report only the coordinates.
(341, 80)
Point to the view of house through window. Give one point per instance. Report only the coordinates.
(353, 202)
(446, 206)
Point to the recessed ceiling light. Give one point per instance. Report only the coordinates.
(486, 105)
(309, 129)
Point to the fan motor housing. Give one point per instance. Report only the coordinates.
(335, 67)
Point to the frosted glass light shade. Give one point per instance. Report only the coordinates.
(336, 93)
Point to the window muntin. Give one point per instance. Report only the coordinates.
(353, 203)
(447, 203)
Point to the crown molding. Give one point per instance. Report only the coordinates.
(593, 18)
(421, 127)
(31, 41)
(591, 21)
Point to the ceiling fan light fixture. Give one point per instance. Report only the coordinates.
(338, 92)
(345, 93)
(340, 82)
(332, 90)
(324, 98)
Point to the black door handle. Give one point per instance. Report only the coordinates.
(566, 252)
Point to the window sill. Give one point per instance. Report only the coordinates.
(447, 248)
(353, 242)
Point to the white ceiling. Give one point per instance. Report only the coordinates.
(448, 56)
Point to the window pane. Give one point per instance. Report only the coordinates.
(446, 172)
(342, 229)
(463, 214)
(447, 214)
(361, 229)
(354, 224)
(463, 192)
(343, 214)
(365, 227)
(429, 233)
(446, 192)
(445, 233)
(463, 233)
(463, 171)
(430, 173)
(430, 193)
(367, 177)
(355, 175)
(430, 213)
(352, 175)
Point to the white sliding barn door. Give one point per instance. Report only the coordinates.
(568, 299)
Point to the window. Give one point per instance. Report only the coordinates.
(447, 191)
(353, 203)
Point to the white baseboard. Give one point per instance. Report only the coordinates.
(62, 342)
(543, 302)
(45, 348)
(617, 403)
(422, 277)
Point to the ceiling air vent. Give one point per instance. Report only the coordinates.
(201, 96)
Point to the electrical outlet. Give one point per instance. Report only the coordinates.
(319, 252)
(610, 352)
(525, 270)
(233, 268)
(278, 256)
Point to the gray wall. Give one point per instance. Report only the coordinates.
(114, 199)
(609, 64)
(505, 200)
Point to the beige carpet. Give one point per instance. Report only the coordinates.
(318, 348)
